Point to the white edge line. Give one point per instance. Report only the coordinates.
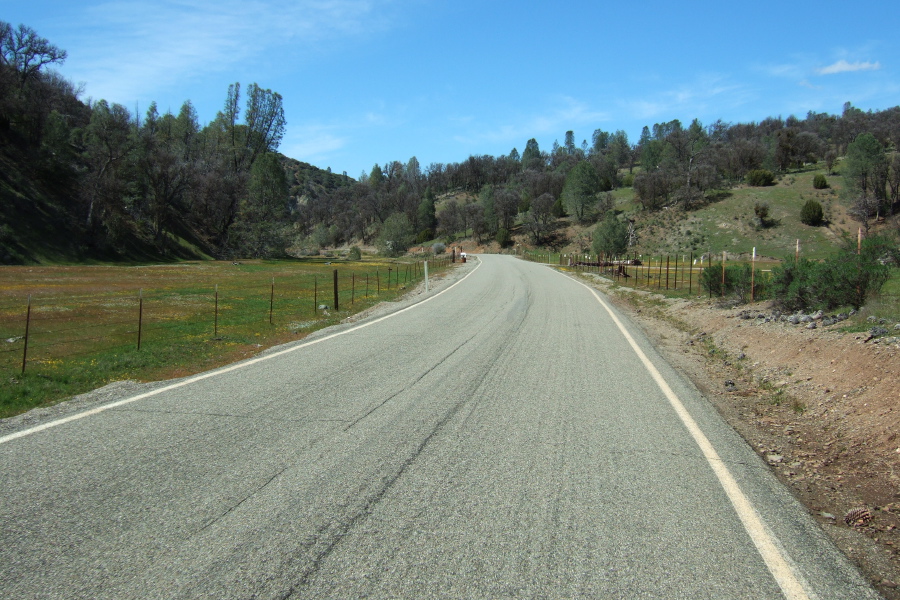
(784, 574)
(88, 413)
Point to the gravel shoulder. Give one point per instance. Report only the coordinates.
(819, 405)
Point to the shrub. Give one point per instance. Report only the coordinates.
(503, 237)
(354, 253)
(820, 182)
(811, 213)
(424, 235)
(438, 248)
(760, 178)
(843, 279)
(628, 180)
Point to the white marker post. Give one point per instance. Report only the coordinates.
(426, 276)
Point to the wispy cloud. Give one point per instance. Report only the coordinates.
(695, 98)
(842, 66)
(313, 143)
(160, 44)
(567, 113)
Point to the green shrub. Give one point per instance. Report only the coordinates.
(843, 279)
(760, 178)
(354, 253)
(424, 236)
(820, 182)
(628, 180)
(503, 237)
(811, 213)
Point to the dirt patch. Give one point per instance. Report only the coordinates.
(822, 408)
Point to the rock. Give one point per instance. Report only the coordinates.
(897, 327)
(842, 317)
(828, 321)
(774, 459)
(794, 319)
(806, 319)
(729, 385)
(323, 307)
(852, 311)
(818, 315)
(878, 331)
(812, 325)
(827, 515)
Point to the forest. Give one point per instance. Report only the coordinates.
(95, 181)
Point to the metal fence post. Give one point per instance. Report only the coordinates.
(27, 327)
(336, 305)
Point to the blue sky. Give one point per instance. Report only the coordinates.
(371, 81)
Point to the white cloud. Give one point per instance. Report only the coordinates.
(842, 66)
(313, 143)
(568, 114)
(134, 48)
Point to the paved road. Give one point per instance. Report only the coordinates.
(504, 439)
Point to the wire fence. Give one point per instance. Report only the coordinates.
(41, 330)
(708, 273)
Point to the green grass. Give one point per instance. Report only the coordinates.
(84, 321)
(727, 222)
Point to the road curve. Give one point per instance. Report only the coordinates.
(512, 437)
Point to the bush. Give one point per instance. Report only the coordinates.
(424, 236)
(503, 237)
(811, 213)
(438, 248)
(760, 178)
(628, 180)
(354, 254)
(819, 182)
(843, 279)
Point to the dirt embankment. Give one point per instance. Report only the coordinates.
(821, 406)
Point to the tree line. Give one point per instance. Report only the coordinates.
(157, 176)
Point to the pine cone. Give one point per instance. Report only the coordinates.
(858, 517)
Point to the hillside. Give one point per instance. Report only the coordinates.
(42, 218)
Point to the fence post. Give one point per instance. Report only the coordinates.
(390, 269)
(353, 289)
(336, 306)
(216, 314)
(691, 275)
(723, 273)
(27, 327)
(367, 285)
(752, 274)
(377, 282)
(316, 295)
(140, 315)
(675, 287)
(272, 301)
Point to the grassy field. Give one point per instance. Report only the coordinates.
(85, 323)
(728, 224)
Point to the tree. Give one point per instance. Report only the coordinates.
(425, 212)
(531, 157)
(539, 220)
(865, 167)
(258, 230)
(396, 235)
(25, 52)
(580, 192)
(610, 236)
(265, 121)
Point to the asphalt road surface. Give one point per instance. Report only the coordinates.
(510, 437)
